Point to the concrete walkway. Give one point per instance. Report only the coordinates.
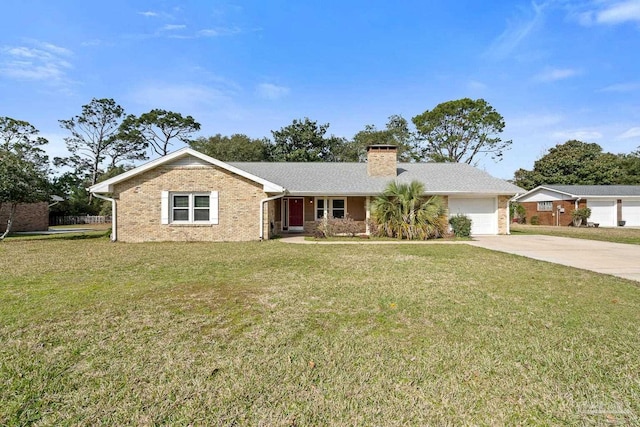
(357, 241)
(616, 259)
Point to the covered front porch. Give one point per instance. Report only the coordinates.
(302, 214)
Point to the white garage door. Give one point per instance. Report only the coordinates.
(483, 213)
(631, 213)
(603, 212)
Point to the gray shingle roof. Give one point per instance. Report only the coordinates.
(352, 179)
(597, 190)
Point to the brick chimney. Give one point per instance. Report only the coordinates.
(382, 160)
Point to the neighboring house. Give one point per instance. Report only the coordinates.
(188, 196)
(28, 217)
(609, 204)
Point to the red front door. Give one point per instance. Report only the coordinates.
(296, 212)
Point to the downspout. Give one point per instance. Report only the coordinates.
(262, 202)
(114, 222)
(577, 201)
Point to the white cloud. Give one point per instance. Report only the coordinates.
(184, 98)
(611, 13)
(630, 134)
(216, 32)
(271, 91)
(622, 87)
(37, 61)
(555, 74)
(620, 12)
(516, 32)
(173, 27)
(149, 14)
(579, 134)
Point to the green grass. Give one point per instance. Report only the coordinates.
(616, 235)
(96, 333)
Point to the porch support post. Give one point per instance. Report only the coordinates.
(368, 214)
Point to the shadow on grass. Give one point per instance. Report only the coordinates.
(69, 236)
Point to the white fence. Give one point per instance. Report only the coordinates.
(83, 219)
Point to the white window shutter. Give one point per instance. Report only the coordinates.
(213, 208)
(164, 207)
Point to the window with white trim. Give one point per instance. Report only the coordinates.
(189, 208)
(338, 208)
(320, 208)
(331, 207)
(545, 206)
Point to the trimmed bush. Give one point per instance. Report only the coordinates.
(330, 227)
(535, 220)
(580, 216)
(461, 225)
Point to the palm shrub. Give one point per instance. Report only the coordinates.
(402, 211)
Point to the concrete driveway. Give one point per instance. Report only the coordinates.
(616, 259)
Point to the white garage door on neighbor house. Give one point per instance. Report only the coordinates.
(631, 212)
(603, 212)
(482, 211)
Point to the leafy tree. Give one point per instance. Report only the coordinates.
(157, 129)
(76, 197)
(23, 166)
(95, 140)
(236, 148)
(630, 164)
(573, 163)
(402, 211)
(461, 131)
(304, 141)
(396, 133)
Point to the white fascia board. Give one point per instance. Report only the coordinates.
(428, 193)
(107, 186)
(542, 187)
(608, 197)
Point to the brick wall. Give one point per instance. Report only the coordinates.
(382, 160)
(28, 217)
(548, 217)
(139, 205)
(503, 214)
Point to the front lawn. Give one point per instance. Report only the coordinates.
(616, 235)
(96, 333)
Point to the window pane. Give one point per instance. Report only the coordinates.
(201, 215)
(181, 214)
(181, 201)
(201, 201)
(545, 206)
(320, 208)
(338, 213)
(338, 204)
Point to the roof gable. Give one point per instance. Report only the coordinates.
(584, 191)
(183, 156)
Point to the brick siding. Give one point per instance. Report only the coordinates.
(28, 217)
(548, 217)
(139, 205)
(503, 214)
(382, 161)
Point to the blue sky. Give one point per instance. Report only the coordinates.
(555, 70)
